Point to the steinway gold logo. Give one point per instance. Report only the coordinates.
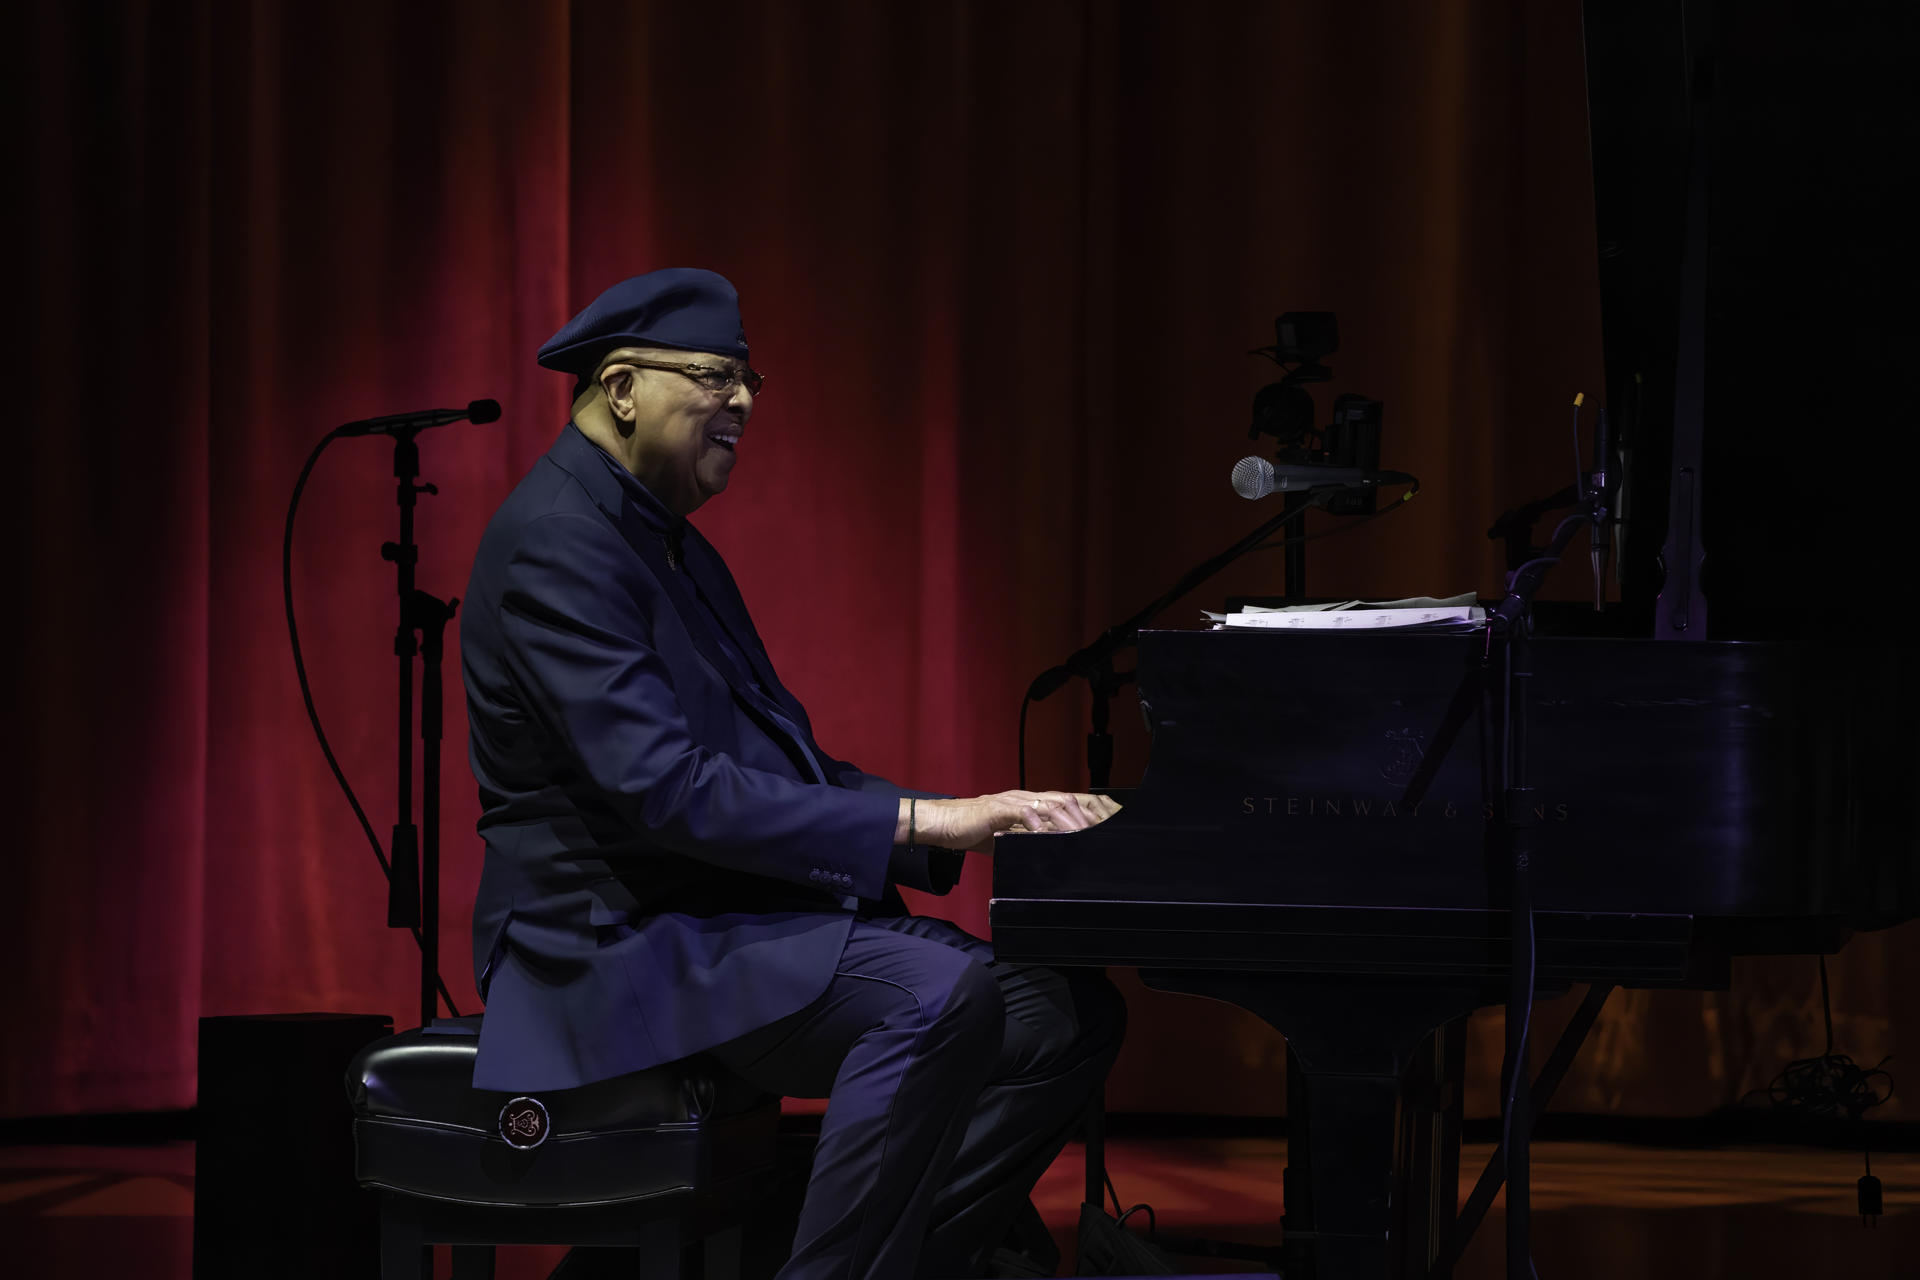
(1364, 807)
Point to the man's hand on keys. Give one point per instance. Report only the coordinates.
(973, 823)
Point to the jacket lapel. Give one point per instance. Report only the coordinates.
(579, 458)
(733, 615)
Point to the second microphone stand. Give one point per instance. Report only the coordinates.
(1511, 625)
(413, 886)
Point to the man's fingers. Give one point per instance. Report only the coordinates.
(1062, 813)
(1027, 815)
(1099, 808)
(1035, 814)
(1020, 812)
(1074, 816)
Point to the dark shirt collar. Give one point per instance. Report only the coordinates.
(669, 526)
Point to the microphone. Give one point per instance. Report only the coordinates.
(1256, 478)
(1602, 462)
(399, 424)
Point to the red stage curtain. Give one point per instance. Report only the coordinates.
(1002, 263)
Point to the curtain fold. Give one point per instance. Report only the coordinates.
(1001, 262)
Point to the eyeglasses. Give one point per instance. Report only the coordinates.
(720, 382)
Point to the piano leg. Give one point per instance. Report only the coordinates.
(1296, 1179)
(1428, 1195)
(1094, 1128)
(1353, 1042)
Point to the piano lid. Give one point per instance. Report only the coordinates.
(1810, 123)
(1717, 780)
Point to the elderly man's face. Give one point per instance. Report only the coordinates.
(683, 436)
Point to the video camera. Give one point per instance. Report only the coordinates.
(1285, 409)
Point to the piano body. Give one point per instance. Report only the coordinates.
(1309, 840)
(1308, 844)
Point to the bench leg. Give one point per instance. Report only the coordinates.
(403, 1256)
(659, 1250)
(473, 1262)
(719, 1255)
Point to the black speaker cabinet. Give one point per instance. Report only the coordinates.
(273, 1191)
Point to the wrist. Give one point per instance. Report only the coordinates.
(915, 821)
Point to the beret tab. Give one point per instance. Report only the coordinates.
(683, 308)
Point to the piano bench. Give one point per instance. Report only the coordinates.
(657, 1160)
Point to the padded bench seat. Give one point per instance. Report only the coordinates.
(678, 1146)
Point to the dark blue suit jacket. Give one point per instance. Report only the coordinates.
(671, 859)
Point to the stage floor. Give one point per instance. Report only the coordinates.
(1601, 1209)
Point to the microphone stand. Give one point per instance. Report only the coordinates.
(413, 893)
(1296, 578)
(1094, 663)
(1512, 623)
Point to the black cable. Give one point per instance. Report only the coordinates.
(1025, 702)
(1519, 1068)
(1831, 1084)
(1826, 1006)
(1513, 1081)
(306, 696)
(1514, 1065)
(1579, 465)
(1120, 1216)
(1576, 518)
(1826, 1086)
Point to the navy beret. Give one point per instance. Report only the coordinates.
(684, 308)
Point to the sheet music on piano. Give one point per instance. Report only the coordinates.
(1428, 612)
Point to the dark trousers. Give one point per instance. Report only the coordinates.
(952, 1081)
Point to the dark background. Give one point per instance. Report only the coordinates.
(1002, 263)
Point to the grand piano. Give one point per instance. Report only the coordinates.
(1305, 844)
(1312, 838)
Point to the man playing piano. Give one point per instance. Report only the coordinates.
(673, 864)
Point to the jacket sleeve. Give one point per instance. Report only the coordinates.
(849, 776)
(575, 615)
(917, 866)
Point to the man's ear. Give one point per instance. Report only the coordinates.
(616, 381)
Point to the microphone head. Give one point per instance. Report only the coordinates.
(483, 411)
(1253, 477)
